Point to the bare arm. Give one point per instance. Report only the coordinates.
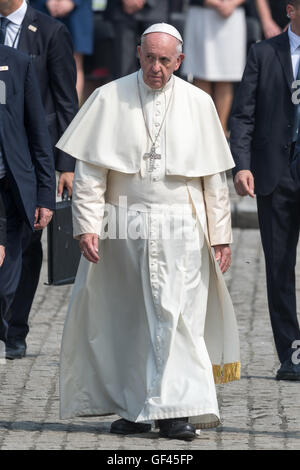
(270, 28)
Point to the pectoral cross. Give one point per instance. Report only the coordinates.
(152, 155)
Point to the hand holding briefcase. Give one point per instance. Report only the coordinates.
(63, 250)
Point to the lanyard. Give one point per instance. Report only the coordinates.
(16, 37)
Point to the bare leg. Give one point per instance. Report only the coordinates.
(204, 85)
(80, 75)
(223, 96)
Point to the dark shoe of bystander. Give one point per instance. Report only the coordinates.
(15, 350)
(288, 371)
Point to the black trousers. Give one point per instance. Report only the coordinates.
(124, 47)
(279, 221)
(10, 271)
(32, 259)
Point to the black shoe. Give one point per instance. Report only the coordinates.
(177, 428)
(15, 350)
(122, 426)
(288, 371)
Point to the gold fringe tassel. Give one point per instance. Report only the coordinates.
(228, 373)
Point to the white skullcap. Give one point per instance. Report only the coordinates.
(164, 28)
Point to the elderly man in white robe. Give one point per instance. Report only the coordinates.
(150, 327)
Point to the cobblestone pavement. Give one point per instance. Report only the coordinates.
(257, 412)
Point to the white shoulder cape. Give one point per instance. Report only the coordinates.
(109, 131)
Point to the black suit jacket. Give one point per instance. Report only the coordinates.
(26, 144)
(154, 10)
(2, 223)
(263, 114)
(295, 165)
(49, 44)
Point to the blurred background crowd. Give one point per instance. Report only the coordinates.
(217, 35)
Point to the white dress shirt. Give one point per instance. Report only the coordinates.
(13, 29)
(295, 50)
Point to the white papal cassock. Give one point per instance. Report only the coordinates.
(151, 326)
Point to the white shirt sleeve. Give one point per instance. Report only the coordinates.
(216, 197)
(88, 200)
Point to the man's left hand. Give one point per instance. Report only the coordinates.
(223, 256)
(42, 218)
(65, 181)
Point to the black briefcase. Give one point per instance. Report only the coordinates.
(63, 250)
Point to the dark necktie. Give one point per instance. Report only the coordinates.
(3, 25)
(297, 114)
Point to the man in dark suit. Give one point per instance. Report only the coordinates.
(48, 43)
(130, 18)
(2, 257)
(2, 231)
(27, 175)
(264, 129)
(295, 165)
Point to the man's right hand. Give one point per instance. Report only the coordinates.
(244, 183)
(89, 247)
(65, 181)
